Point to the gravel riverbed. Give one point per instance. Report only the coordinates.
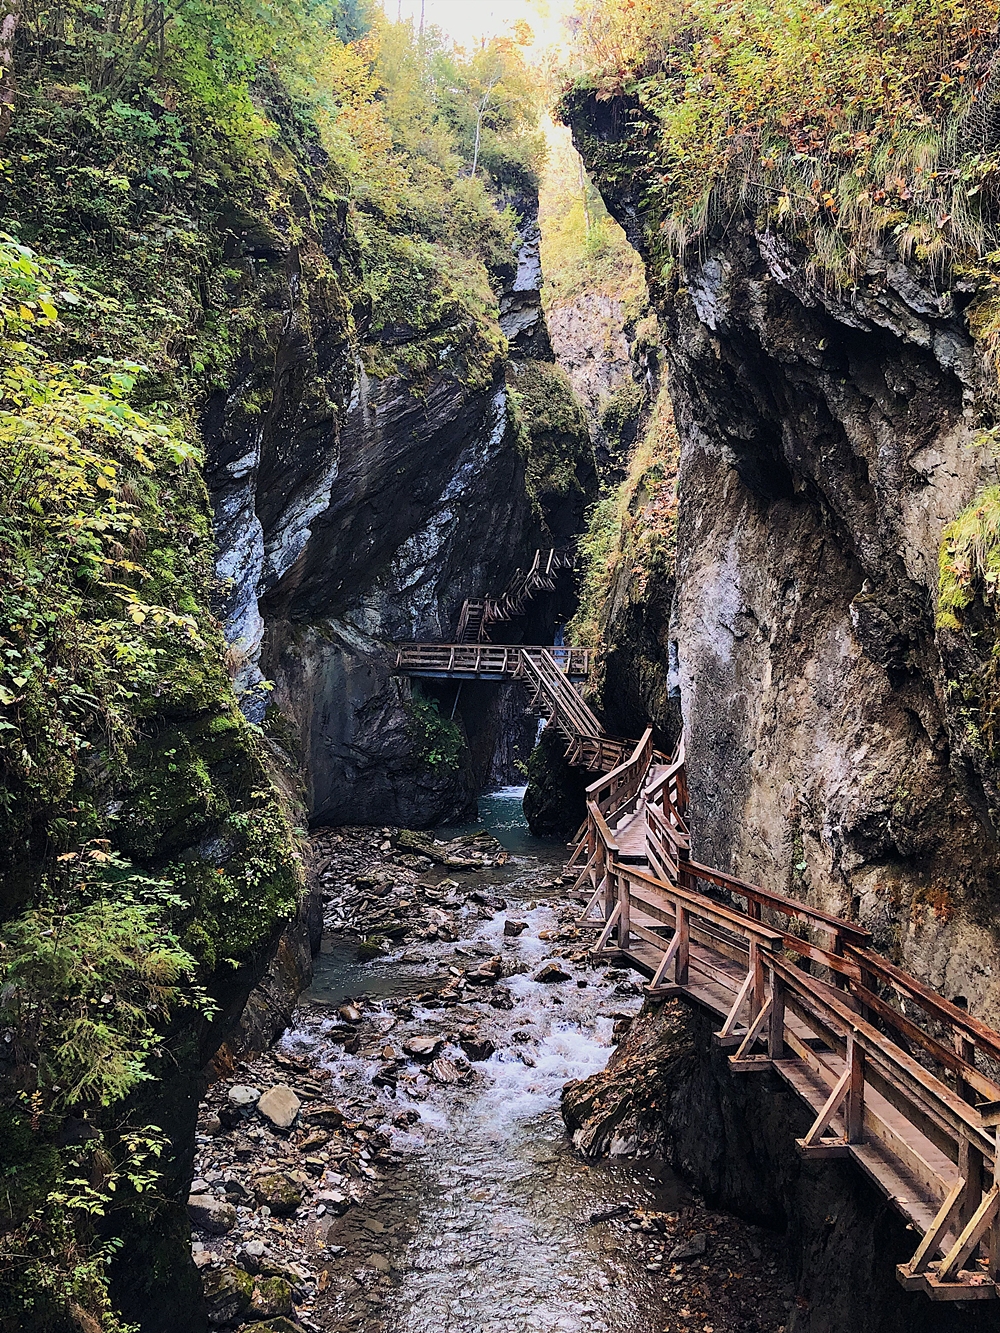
(397, 1164)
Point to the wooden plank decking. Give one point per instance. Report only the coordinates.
(797, 992)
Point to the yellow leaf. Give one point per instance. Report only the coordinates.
(26, 314)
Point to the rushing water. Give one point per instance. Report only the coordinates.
(485, 1227)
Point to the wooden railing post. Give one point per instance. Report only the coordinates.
(854, 1113)
(683, 947)
(776, 1021)
(624, 923)
(757, 968)
(971, 1168)
(966, 1048)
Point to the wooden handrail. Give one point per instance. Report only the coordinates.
(779, 903)
(848, 1034)
(935, 1005)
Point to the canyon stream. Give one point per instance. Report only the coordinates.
(466, 1208)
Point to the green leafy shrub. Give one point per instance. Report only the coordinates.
(837, 124)
(437, 740)
(88, 979)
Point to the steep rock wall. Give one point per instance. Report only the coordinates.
(825, 444)
(360, 509)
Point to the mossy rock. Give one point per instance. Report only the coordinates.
(228, 1293)
(279, 1193)
(370, 949)
(408, 840)
(272, 1297)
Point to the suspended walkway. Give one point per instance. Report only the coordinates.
(553, 676)
(896, 1078)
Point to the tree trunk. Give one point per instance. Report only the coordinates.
(10, 12)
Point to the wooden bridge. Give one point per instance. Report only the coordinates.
(896, 1078)
(552, 674)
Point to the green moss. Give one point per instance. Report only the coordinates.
(630, 538)
(553, 433)
(437, 740)
(969, 560)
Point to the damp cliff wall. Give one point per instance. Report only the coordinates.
(826, 442)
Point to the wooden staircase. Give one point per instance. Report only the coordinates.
(477, 615)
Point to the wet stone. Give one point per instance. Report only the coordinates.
(550, 973)
(279, 1105)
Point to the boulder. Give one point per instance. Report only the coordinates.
(279, 1193)
(279, 1105)
(445, 1071)
(477, 1048)
(323, 1114)
(423, 1048)
(350, 1013)
(550, 973)
(487, 974)
(514, 928)
(228, 1293)
(693, 1248)
(210, 1214)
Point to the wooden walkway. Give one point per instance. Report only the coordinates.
(897, 1079)
(552, 675)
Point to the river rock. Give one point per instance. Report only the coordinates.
(690, 1249)
(228, 1293)
(210, 1214)
(423, 1048)
(279, 1105)
(477, 1048)
(279, 1193)
(322, 1114)
(514, 928)
(335, 1201)
(350, 1013)
(250, 1255)
(445, 1071)
(240, 1095)
(550, 973)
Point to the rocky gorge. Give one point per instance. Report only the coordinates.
(304, 348)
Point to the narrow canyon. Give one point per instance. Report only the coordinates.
(499, 638)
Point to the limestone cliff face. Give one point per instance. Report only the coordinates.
(354, 510)
(825, 444)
